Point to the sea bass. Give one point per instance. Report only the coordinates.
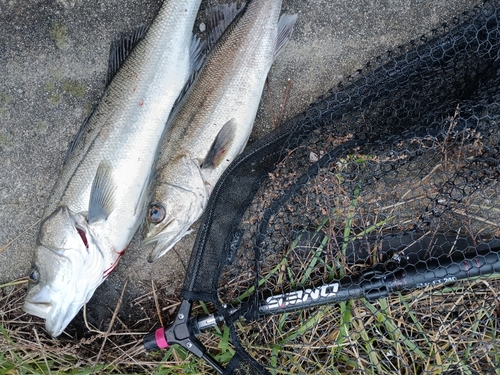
(212, 123)
(100, 197)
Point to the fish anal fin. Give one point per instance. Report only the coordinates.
(285, 29)
(121, 48)
(220, 145)
(101, 194)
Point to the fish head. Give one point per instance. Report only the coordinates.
(66, 269)
(172, 213)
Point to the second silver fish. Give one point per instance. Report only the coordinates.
(213, 122)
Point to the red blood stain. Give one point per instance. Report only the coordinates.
(115, 263)
(83, 237)
(141, 103)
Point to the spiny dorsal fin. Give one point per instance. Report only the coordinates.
(220, 146)
(102, 193)
(121, 48)
(218, 19)
(285, 29)
(78, 135)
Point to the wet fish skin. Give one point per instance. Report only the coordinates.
(99, 198)
(213, 122)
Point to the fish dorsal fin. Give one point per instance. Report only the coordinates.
(78, 135)
(197, 54)
(218, 19)
(285, 29)
(220, 145)
(101, 202)
(121, 48)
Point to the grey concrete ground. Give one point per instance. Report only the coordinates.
(53, 60)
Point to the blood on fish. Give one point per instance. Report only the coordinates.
(83, 237)
(115, 263)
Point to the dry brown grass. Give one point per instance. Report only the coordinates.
(25, 347)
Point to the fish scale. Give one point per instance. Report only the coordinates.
(98, 200)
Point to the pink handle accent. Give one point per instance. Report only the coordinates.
(160, 338)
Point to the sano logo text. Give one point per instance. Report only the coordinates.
(300, 297)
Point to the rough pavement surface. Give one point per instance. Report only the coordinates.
(53, 61)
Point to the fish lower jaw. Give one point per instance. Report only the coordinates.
(158, 251)
(162, 246)
(54, 325)
(40, 310)
(164, 240)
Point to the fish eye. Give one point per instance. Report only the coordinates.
(156, 213)
(34, 275)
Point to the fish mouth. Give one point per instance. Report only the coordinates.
(56, 317)
(159, 250)
(165, 239)
(57, 322)
(38, 309)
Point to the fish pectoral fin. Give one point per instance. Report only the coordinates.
(285, 28)
(102, 194)
(218, 19)
(121, 48)
(220, 145)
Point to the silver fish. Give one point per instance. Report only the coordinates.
(100, 197)
(213, 122)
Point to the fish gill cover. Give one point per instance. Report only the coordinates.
(381, 197)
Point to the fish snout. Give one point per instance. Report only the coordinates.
(39, 309)
(57, 307)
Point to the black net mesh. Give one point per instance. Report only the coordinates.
(363, 236)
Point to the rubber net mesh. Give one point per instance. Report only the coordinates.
(363, 236)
